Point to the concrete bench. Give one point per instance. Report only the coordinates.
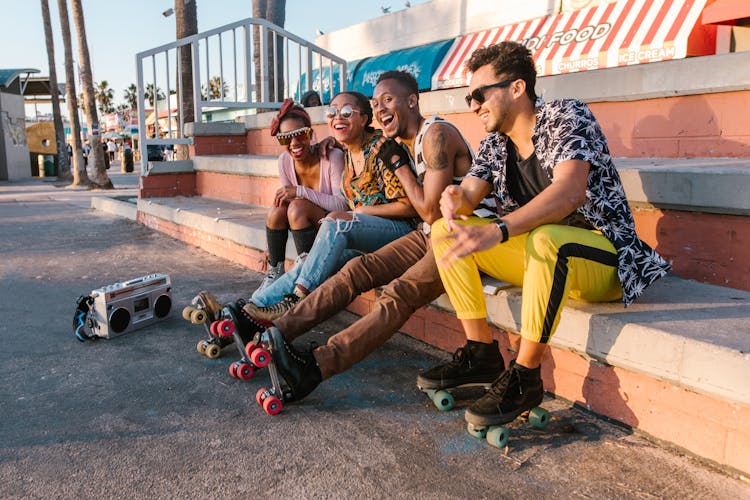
(682, 331)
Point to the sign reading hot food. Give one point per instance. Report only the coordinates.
(606, 35)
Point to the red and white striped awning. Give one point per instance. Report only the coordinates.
(613, 34)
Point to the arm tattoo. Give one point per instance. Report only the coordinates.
(438, 150)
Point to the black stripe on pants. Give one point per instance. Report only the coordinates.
(561, 275)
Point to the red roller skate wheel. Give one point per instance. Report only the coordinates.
(245, 371)
(250, 347)
(272, 405)
(233, 370)
(260, 357)
(214, 329)
(261, 395)
(225, 328)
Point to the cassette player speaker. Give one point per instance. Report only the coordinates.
(123, 307)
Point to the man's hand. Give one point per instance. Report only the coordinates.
(284, 195)
(393, 155)
(326, 145)
(450, 202)
(468, 240)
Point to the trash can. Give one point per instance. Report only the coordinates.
(127, 160)
(46, 166)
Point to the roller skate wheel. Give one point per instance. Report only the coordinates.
(214, 329)
(201, 346)
(272, 405)
(245, 371)
(233, 370)
(212, 351)
(261, 395)
(225, 328)
(198, 316)
(443, 400)
(497, 436)
(250, 347)
(538, 417)
(187, 312)
(260, 357)
(478, 431)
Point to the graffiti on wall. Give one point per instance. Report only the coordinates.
(14, 129)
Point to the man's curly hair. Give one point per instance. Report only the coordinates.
(510, 60)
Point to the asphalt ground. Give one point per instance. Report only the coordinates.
(144, 415)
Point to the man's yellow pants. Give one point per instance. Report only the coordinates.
(550, 263)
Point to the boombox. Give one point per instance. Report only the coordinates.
(124, 307)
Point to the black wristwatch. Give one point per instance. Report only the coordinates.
(499, 223)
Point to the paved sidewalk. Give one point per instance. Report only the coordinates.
(144, 416)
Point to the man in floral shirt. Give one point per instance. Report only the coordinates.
(564, 230)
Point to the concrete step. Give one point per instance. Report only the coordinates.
(713, 185)
(676, 361)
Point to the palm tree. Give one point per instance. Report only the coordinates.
(216, 89)
(96, 155)
(148, 94)
(104, 96)
(63, 165)
(131, 96)
(186, 24)
(80, 175)
(275, 12)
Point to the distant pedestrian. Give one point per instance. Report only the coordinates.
(111, 149)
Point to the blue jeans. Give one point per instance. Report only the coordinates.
(337, 242)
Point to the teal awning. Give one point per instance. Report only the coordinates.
(421, 62)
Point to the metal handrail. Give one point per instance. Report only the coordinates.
(307, 67)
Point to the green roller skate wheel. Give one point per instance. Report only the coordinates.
(443, 400)
(497, 436)
(538, 418)
(476, 431)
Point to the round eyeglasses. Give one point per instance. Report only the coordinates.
(345, 112)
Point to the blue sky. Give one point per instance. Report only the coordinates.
(117, 30)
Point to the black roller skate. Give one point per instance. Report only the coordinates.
(204, 310)
(475, 364)
(245, 330)
(294, 373)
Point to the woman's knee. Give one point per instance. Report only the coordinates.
(303, 213)
(277, 218)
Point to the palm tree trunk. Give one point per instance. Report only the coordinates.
(96, 155)
(80, 176)
(63, 165)
(275, 12)
(186, 23)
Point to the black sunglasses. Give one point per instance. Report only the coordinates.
(478, 93)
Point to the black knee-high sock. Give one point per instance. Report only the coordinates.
(276, 239)
(303, 239)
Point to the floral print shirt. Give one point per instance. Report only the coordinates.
(567, 130)
(375, 185)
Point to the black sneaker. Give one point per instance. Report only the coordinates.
(518, 389)
(474, 363)
(299, 369)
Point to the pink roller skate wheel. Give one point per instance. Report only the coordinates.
(272, 405)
